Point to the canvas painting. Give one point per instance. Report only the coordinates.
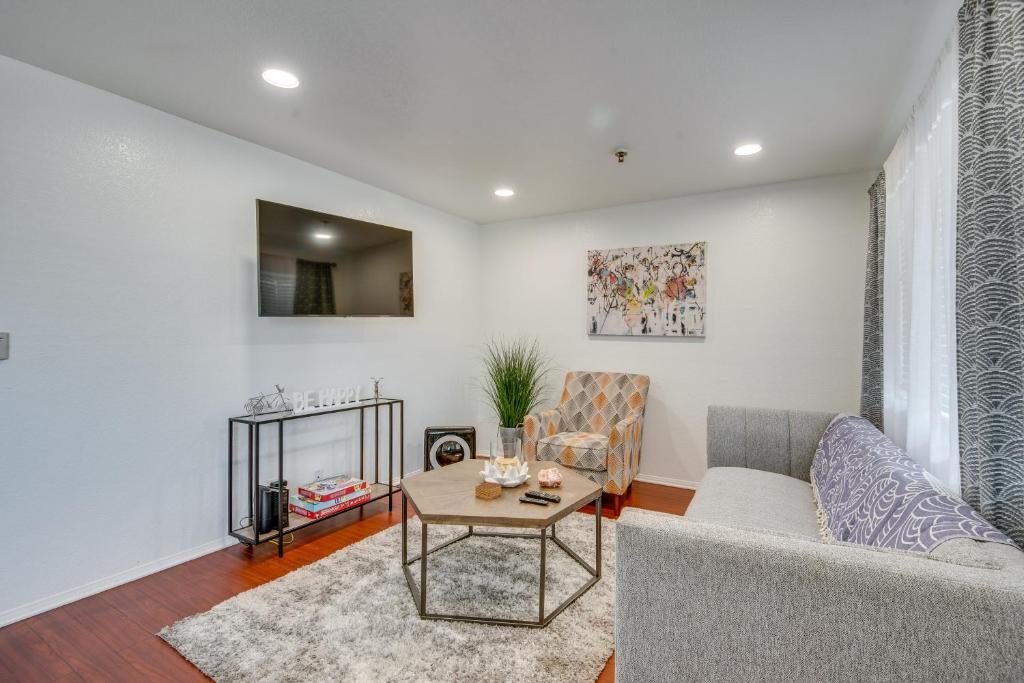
(647, 291)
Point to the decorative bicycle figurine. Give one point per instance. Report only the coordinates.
(268, 403)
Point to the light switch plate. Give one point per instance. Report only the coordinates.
(5, 345)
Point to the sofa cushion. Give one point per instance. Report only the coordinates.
(752, 499)
(582, 450)
(782, 441)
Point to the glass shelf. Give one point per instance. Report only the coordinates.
(284, 416)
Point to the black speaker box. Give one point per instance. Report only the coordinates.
(271, 506)
(447, 445)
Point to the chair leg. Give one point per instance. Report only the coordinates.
(612, 502)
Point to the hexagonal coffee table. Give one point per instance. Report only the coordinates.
(446, 496)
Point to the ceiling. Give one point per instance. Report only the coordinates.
(443, 101)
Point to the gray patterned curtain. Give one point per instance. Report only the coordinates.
(314, 288)
(871, 362)
(990, 261)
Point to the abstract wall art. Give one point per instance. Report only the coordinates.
(647, 291)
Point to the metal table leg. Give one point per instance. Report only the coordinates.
(391, 450)
(281, 519)
(231, 483)
(405, 532)
(597, 535)
(423, 569)
(543, 571)
(256, 491)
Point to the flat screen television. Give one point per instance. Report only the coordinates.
(317, 264)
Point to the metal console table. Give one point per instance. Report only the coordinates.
(250, 534)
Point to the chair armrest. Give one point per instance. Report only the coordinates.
(622, 425)
(624, 439)
(536, 427)
(627, 433)
(722, 603)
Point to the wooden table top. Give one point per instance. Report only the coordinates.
(446, 496)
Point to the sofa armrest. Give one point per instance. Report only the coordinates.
(536, 427)
(708, 602)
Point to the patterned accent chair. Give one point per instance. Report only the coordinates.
(597, 429)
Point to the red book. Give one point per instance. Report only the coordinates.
(331, 488)
(331, 510)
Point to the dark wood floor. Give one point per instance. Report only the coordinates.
(110, 636)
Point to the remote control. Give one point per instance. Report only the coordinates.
(536, 501)
(550, 497)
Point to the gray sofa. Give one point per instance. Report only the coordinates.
(743, 588)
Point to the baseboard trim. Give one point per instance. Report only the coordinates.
(666, 481)
(41, 605)
(396, 482)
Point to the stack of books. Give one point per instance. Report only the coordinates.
(325, 497)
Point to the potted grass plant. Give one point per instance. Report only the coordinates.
(515, 371)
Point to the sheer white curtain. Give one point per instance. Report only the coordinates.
(918, 313)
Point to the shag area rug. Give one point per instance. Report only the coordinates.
(350, 616)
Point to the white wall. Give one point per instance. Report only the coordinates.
(785, 292)
(128, 283)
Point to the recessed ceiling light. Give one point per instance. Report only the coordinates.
(282, 79)
(747, 150)
(323, 235)
(504, 192)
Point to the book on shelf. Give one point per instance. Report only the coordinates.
(332, 509)
(331, 488)
(317, 506)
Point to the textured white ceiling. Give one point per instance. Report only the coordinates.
(442, 101)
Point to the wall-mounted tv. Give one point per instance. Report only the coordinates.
(317, 264)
